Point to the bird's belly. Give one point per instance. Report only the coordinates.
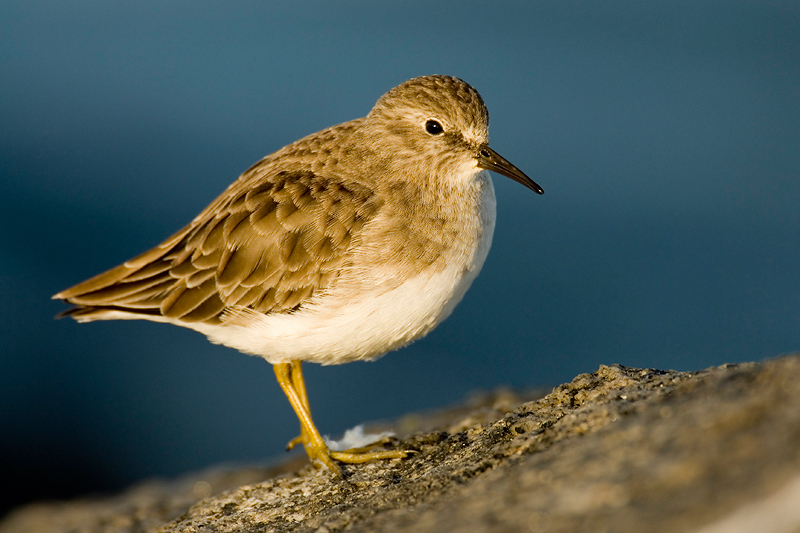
(341, 330)
(396, 317)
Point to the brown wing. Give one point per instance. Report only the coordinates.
(268, 243)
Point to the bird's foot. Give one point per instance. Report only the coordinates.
(320, 452)
(294, 442)
(356, 457)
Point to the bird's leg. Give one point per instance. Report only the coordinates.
(309, 436)
(290, 378)
(300, 386)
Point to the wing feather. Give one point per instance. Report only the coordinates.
(270, 243)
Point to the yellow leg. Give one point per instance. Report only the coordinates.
(290, 378)
(300, 386)
(312, 440)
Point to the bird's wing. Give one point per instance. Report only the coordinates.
(268, 243)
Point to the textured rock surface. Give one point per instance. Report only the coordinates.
(620, 449)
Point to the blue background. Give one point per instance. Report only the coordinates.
(666, 137)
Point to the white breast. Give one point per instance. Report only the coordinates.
(340, 328)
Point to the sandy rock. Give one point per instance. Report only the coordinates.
(617, 450)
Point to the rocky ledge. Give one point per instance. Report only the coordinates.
(617, 450)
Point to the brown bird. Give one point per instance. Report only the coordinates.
(342, 246)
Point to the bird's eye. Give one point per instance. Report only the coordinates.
(434, 128)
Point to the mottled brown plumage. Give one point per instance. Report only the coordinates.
(269, 243)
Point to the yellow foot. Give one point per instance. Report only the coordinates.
(294, 442)
(359, 455)
(322, 453)
(290, 378)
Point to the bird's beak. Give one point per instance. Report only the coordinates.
(491, 160)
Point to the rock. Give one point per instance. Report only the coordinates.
(621, 449)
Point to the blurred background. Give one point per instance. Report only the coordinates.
(666, 137)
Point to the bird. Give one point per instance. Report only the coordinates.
(342, 246)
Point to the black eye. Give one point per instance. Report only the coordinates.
(433, 127)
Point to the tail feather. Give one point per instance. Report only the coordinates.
(134, 288)
(146, 265)
(91, 313)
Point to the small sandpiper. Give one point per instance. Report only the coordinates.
(340, 247)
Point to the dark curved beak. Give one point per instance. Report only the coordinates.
(491, 160)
